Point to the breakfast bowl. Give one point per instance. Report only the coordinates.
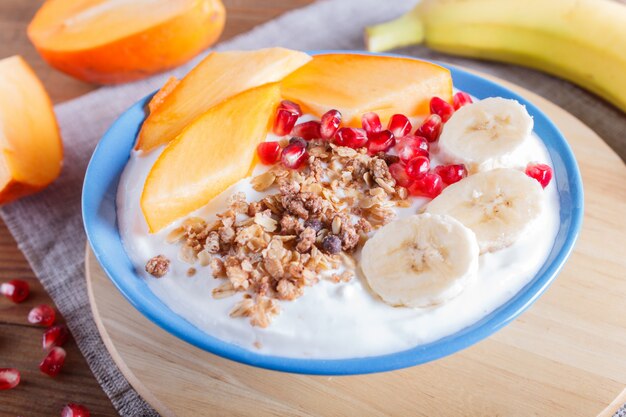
(101, 221)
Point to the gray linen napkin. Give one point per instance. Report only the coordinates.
(48, 226)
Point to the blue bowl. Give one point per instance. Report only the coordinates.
(99, 216)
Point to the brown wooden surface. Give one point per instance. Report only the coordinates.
(20, 343)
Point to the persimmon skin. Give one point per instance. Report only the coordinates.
(31, 154)
(14, 190)
(139, 55)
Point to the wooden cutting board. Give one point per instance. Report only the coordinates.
(566, 356)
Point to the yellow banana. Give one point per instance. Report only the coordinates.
(583, 41)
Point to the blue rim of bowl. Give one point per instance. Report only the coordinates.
(98, 210)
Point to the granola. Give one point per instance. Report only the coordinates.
(158, 266)
(304, 229)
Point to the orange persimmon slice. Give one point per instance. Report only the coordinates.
(355, 84)
(114, 41)
(30, 144)
(219, 76)
(212, 153)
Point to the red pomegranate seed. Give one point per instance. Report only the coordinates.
(293, 155)
(55, 336)
(53, 362)
(430, 185)
(417, 167)
(291, 106)
(42, 314)
(398, 172)
(9, 378)
(460, 99)
(299, 141)
(399, 125)
(411, 146)
(351, 137)
(268, 152)
(370, 122)
(15, 290)
(451, 173)
(286, 116)
(380, 141)
(442, 108)
(540, 172)
(75, 410)
(331, 120)
(308, 130)
(284, 122)
(430, 128)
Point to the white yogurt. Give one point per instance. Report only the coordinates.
(330, 320)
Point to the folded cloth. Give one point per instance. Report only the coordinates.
(48, 226)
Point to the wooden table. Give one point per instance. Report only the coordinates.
(20, 342)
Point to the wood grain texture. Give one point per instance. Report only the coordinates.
(20, 343)
(566, 356)
(21, 348)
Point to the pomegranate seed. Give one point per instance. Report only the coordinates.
(268, 152)
(299, 141)
(417, 167)
(351, 137)
(380, 141)
(53, 362)
(75, 410)
(331, 120)
(460, 99)
(411, 146)
(308, 130)
(9, 378)
(371, 123)
(442, 108)
(398, 172)
(286, 116)
(430, 128)
(451, 173)
(293, 156)
(399, 125)
(430, 185)
(55, 336)
(42, 314)
(540, 172)
(15, 290)
(291, 106)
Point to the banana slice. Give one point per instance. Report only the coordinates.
(420, 261)
(484, 135)
(497, 205)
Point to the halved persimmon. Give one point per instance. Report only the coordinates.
(212, 153)
(31, 151)
(219, 76)
(356, 84)
(114, 41)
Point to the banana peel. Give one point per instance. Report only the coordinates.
(583, 41)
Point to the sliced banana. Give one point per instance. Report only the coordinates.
(485, 135)
(497, 205)
(420, 261)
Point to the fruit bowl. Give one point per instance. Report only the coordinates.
(100, 220)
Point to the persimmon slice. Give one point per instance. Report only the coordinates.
(219, 76)
(212, 153)
(31, 151)
(357, 84)
(111, 41)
